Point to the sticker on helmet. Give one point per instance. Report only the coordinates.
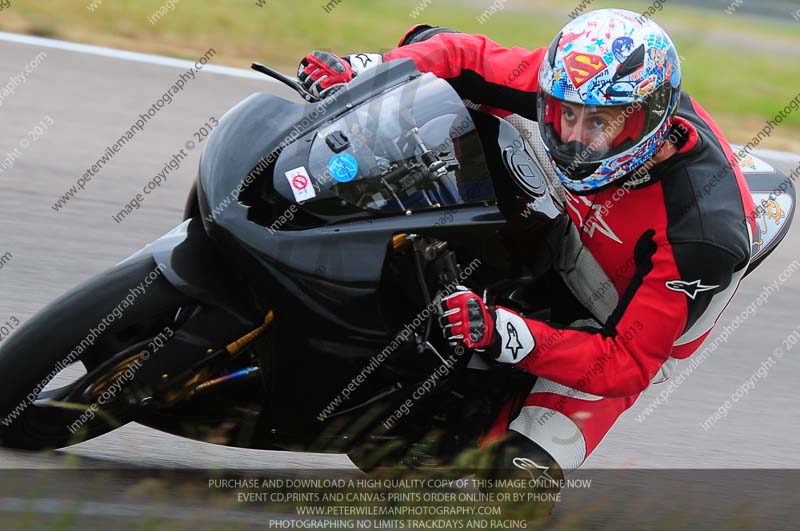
(647, 86)
(343, 167)
(622, 47)
(658, 55)
(585, 69)
(581, 67)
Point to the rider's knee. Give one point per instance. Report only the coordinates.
(518, 456)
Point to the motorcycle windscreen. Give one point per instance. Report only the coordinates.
(413, 148)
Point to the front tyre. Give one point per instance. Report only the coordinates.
(109, 314)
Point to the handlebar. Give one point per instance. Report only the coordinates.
(286, 80)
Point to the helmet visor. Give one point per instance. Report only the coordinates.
(582, 136)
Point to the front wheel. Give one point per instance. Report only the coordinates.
(95, 327)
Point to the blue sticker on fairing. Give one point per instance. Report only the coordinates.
(343, 167)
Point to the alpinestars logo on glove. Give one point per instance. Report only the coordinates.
(516, 340)
(513, 341)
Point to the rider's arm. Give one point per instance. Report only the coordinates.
(478, 68)
(621, 358)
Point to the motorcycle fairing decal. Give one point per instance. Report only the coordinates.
(300, 183)
(516, 340)
(691, 289)
(750, 164)
(343, 167)
(771, 210)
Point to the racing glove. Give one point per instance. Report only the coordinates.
(500, 334)
(322, 73)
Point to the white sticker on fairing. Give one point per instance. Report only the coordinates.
(750, 164)
(517, 340)
(772, 210)
(300, 183)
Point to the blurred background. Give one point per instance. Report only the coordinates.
(741, 58)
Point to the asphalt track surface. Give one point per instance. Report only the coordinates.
(91, 100)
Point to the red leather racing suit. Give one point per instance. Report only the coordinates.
(656, 261)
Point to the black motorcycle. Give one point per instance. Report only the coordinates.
(293, 308)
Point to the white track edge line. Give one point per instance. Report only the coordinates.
(114, 53)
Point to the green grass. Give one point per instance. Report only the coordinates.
(743, 70)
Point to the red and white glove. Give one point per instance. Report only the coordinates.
(322, 72)
(500, 333)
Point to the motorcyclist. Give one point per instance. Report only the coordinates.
(634, 154)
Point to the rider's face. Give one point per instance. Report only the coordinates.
(594, 127)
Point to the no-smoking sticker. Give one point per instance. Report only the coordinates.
(300, 183)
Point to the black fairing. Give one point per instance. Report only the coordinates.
(323, 277)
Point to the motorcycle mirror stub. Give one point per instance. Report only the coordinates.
(337, 141)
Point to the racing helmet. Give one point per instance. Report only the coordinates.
(608, 90)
